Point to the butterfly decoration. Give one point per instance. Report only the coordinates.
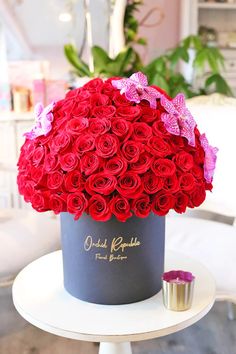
(136, 89)
(177, 118)
(210, 158)
(43, 123)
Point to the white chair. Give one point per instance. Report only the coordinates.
(24, 236)
(213, 242)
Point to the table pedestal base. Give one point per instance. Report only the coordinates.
(115, 348)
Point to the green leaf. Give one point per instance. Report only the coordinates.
(81, 67)
(142, 41)
(101, 59)
(219, 83)
(160, 81)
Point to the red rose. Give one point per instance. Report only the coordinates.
(158, 129)
(99, 208)
(73, 181)
(38, 155)
(104, 111)
(184, 160)
(115, 166)
(60, 142)
(152, 183)
(177, 142)
(94, 85)
(51, 162)
(83, 96)
(80, 111)
(121, 127)
(101, 183)
(171, 184)
(27, 148)
(120, 100)
(198, 196)
(76, 204)
(108, 89)
(162, 203)
(89, 163)
(76, 126)
(181, 202)
(54, 180)
(199, 156)
(130, 113)
(130, 185)
(83, 144)
(37, 174)
(40, 201)
(21, 183)
(142, 164)
(57, 203)
(197, 171)
(163, 167)
(158, 146)
(148, 114)
(28, 190)
(99, 99)
(141, 132)
(120, 207)
(187, 181)
(141, 206)
(131, 150)
(106, 145)
(70, 95)
(68, 161)
(98, 126)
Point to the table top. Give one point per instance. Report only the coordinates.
(39, 296)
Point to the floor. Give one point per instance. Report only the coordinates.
(214, 334)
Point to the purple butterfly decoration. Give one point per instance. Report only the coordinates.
(210, 158)
(177, 119)
(43, 124)
(136, 89)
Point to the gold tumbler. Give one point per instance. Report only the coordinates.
(177, 290)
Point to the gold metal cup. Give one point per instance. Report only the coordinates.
(177, 297)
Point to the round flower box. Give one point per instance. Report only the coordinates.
(113, 157)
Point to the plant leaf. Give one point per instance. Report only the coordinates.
(71, 54)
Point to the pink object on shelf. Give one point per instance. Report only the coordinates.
(55, 90)
(39, 91)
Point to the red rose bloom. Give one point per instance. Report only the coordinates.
(184, 160)
(121, 127)
(98, 208)
(83, 144)
(77, 125)
(141, 206)
(187, 182)
(106, 145)
(131, 151)
(73, 181)
(51, 162)
(89, 163)
(60, 142)
(99, 99)
(57, 203)
(76, 204)
(115, 166)
(158, 146)
(152, 183)
(40, 201)
(130, 185)
(163, 167)
(104, 111)
(101, 183)
(55, 180)
(120, 100)
(197, 197)
(181, 202)
(120, 207)
(38, 155)
(130, 113)
(171, 184)
(94, 85)
(148, 114)
(142, 164)
(141, 132)
(69, 161)
(99, 126)
(162, 203)
(80, 111)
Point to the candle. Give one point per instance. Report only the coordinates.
(177, 289)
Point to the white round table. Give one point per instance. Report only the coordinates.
(39, 296)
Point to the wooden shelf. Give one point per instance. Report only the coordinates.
(216, 6)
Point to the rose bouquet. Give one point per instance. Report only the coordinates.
(116, 147)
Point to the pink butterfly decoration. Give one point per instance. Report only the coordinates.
(210, 158)
(43, 124)
(177, 119)
(136, 89)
